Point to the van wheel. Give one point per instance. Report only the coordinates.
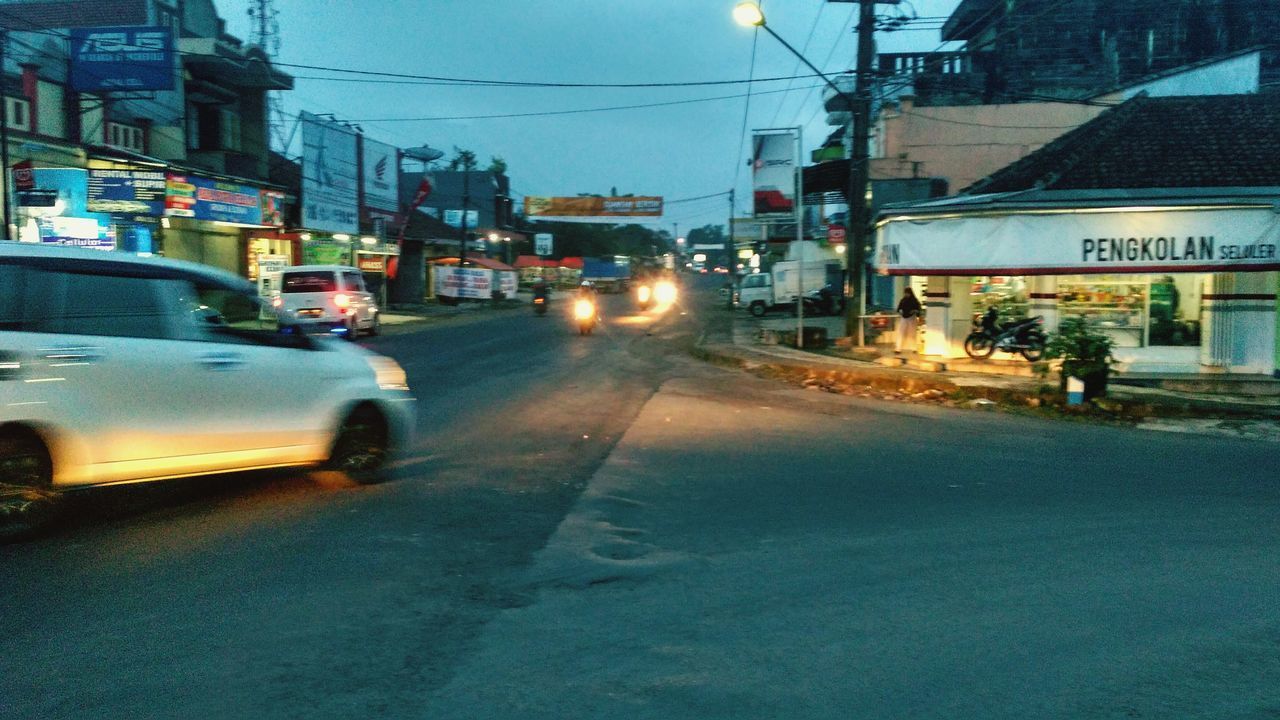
(757, 309)
(360, 449)
(376, 327)
(26, 474)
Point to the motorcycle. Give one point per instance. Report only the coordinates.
(584, 312)
(539, 306)
(1023, 336)
(665, 292)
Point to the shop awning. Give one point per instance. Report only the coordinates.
(484, 262)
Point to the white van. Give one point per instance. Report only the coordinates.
(326, 298)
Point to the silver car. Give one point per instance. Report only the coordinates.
(119, 369)
(326, 298)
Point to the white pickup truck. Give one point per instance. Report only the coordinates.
(779, 288)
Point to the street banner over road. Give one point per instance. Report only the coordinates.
(773, 172)
(592, 209)
(1120, 241)
(329, 182)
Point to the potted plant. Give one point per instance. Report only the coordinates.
(1085, 354)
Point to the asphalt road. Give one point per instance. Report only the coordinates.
(602, 527)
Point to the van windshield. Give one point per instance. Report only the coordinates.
(308, 282)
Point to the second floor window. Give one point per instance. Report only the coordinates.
(17, 113)
(125, 137)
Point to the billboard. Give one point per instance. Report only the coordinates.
(200, 198)
(54, 211)
(773, 173)
(132, 192)
(121, 58)
(593, 209)
(474, 283)
(381, 177)
(329, 182)
(542, 243)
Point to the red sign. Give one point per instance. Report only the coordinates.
(372, 263)
(23, 178)
(835, 233)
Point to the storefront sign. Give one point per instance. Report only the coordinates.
(475, 283)
(542, 243)
(121, 58)
(23, 177)
(453, 218)
(132, 192)
(272, 207)
(372, 263)
(773, 173)
(381, 177)
(585, 208)
(508, 282)
(54, 211)
(835, 234)
(200, 198)
(1234, 239)
(329, 182)
(325, 253)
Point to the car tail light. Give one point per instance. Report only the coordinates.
(277, 301)
(342, 300)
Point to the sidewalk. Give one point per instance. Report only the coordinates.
(407, 316)
(920, 379)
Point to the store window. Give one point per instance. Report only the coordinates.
(1136, 310)
(1007, 294)
(126, 137)
(19, 114)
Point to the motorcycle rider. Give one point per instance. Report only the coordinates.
(991, 321)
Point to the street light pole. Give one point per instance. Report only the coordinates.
(748, 13)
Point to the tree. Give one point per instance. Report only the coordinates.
(462, 159)
(497, 165)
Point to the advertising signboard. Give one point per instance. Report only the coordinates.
(381, 177)
(329, 182)
(200, 198)
(542, 243)
(54, 211)
(590, 209)
(132, 192)
(773, 173)
(475, 283)
(372, 263)
(121, 58)
(272, 207)
(508, 282)
(453, 218)
(318, 252)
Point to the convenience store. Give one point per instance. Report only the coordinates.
(1182, 281)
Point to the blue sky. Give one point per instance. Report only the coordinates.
(677, 151)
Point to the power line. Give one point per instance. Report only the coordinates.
(746, 109)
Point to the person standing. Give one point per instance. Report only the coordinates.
(909, 310)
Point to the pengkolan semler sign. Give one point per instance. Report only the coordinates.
(1054, 243)
(586, 208)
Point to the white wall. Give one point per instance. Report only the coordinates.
(1237, 76)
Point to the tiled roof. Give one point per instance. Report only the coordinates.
(1167, 142)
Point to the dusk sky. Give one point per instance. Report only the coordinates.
(677, 151)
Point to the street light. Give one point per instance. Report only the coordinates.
(749, 14)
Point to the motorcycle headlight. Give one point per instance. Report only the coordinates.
(584, 309)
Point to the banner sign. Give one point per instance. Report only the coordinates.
(54, 211)
(200, 198)
(1235, 239)
(508, 282)
(593, 207)
(453, 218)
(325, 252)
(329, 182)
(475, 283)
(372, 263)
(132, 192)
(381, 177)
(542, 244)
(121, 58)
(773, 173)
(272, 207)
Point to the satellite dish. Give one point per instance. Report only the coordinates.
(425, 153)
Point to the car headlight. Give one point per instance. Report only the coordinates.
(389, 374)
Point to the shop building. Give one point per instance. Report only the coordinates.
(1158, 222)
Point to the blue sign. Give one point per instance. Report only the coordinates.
(59, 216)
(127, 192)
(122, 58)
(204, 199)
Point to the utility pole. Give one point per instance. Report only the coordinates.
(4, 138)
(466, 201)
(732, 247)
(858, 173)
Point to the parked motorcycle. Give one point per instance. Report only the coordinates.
(1023, 336)
(584, 312)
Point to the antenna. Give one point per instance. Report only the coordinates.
(266, 35)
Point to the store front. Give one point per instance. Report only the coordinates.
(1178, 287)
(205, 220)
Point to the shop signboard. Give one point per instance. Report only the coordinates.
(320, 252)
(453, 218)
(127, 192)
(381, 177)
(272, 207)
(542, 243)
(329, 182)
(593, 209)
(1120, 241)
(508, 282)
(131, 57)
(773, 173)
(372, 263)
(54, 211)
(200, 198)
(474, 283)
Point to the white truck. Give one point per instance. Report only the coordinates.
(779, 288)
